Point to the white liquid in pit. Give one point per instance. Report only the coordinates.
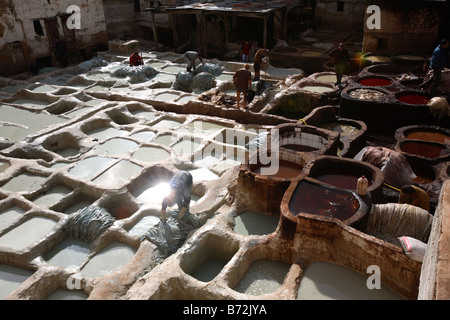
(52, 197)
(11, 278)
(110, 259)
(317, 89)
(27, 233)
(167, 124)
(10, 216)
(209, 269)
(67, 152)
(24, 182)
(173, 69)
(410, 57)
(328, 281)
(118, 175)
(115, 147)
(77, 112)
(144, 136)
(33, 104)
(88, 168)
(327, 78)
(14, 88)
(166, 96)
(252, 223)
(263, 277)
(61, 294)
(144, 225)
(98, 76)
(186, 99)
(94, 102)
(102, 134)
(204, 126)
(151, 154)
(68, 253)
(166, 139)
(156, 64)
(378, 58)
(3, 166)
(185, 147)
(78, 206)
(43, 89)
(225, 77)
(27, 122)
(149, 115)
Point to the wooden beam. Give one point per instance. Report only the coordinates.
(265, 33)
(175, 31)
(155, 33)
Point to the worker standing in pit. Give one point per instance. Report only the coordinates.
(180, 193)
(191, 57)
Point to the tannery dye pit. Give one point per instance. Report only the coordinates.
(293, 197)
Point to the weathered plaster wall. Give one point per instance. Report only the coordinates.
(16, 24)
(413, 27)
(122, 19)
(350, 18)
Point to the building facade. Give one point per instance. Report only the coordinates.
(28, 32)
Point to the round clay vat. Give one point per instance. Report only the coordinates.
(431, 152)
(425, 133)
(374, 58)
(304, 138)
(313, 199)
(376, 81)
(344, 173)
(384, 69)
(412, 98)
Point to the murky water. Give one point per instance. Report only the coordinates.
(89, 167)
(52, 196)
(115, 147)
(10, 216)
(61, 294)
(151, 154)
(144, 225)
(263, 277)
(11, 278)
(328, 281)
(110, 259)
(24, 182)
(253, 223)
(27, 233)
(68, 253)
(117, 175)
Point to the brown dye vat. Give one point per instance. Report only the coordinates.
(423, 149)
(286, 170)
(323, 201)
(341, 179)
(299, 147)
(429, 136)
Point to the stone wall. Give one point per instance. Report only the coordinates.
(344, 14)
(18, 25)
(406, 27)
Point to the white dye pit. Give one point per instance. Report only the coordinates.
(144, 225)
(9, 216)
(167, 124)
(11, 278)
(88, 168)
(318, 89)
(328, 281)
(151, 154)
(144, 136)
(68, 253)
(253, 223)
(102, 134)
(52, 197)
(118, 175)
(27, 233)
(209, 269)
(110, 259)
(149, 115)
(115, 147)
(263, 277)
(24, 182)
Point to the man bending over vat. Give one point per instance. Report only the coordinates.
(180, 193)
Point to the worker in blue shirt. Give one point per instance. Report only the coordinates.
(437, 65)
(180, 193)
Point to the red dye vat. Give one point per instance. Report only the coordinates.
(413, 99)
(286, 170)
(375, 82)
(323, 201)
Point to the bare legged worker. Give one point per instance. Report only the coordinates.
(191, 57)
(180, 193)
(259, 55)
(242, 79)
